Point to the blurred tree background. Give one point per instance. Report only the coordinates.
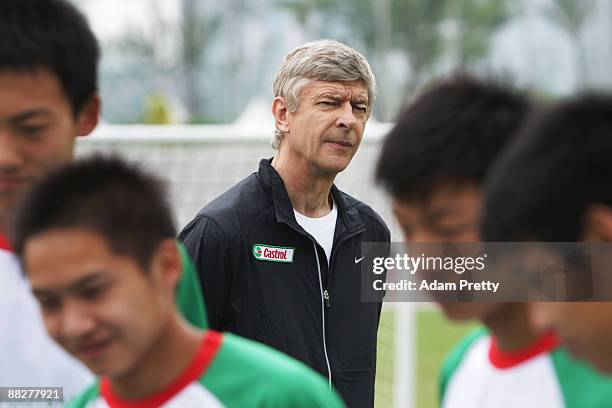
(200, 61)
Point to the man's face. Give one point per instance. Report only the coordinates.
(326, 129)
(100, 306)
(450, 214)
(37, 131)
(584, 327)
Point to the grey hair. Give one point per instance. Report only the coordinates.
(323, 60)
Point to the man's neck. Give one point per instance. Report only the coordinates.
(511, 329)
(308, 189)
(162, 363)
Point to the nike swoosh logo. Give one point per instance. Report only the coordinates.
(359, 260)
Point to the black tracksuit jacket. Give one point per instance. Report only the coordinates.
(305, 308)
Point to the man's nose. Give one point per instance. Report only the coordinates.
(346, 117)
(423, 236)
(75, 321)
(10, 156)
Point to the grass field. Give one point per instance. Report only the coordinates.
(435, 336)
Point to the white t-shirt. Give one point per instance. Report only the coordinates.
(28, 356)
(322, 229)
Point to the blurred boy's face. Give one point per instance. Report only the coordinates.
(37, 131)
(585, 327)
(101, 307)
(450, 214)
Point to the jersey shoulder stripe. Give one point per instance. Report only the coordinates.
(272, 378)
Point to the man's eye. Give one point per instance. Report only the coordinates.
(49, 304)
(32, 130)
(360, 108)
(327, 103)
(93, 292)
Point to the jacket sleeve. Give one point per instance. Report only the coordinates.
(208, 247)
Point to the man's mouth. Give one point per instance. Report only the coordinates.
(12, 182)
(93, 349)
(341, 144)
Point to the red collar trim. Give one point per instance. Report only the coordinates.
(504, 359)
(205, 355)
(4, 244)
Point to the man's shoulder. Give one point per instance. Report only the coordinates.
(235, 200)
(365, 211)
(575, 376)
(237, 205)
(279, 379)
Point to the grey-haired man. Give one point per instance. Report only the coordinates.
(278, 253)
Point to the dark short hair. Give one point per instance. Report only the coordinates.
(50, 34)
(450, 134)
(559, 165)
(105, 195)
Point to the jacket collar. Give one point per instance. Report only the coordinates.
(351, 220)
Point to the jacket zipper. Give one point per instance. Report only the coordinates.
(324, 302)
(325, 298)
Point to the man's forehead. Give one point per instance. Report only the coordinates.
(62, 257)
(45, 286)
(22, 115)
(353, 89)
(30, 89)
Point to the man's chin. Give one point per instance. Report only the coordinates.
(334, 166)
(458, 311)
(108, 368)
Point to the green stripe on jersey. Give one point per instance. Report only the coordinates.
(189, 293)
(248, 374)
(581, 385)
(91, 393)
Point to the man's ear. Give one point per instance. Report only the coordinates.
(279, 110)
(597, 223)
(87, 119)
(166, 264)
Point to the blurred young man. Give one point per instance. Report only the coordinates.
(278, 253)
(48, 72)
(97, 243)
(554, 184)
(434, 163)
(48, 97)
